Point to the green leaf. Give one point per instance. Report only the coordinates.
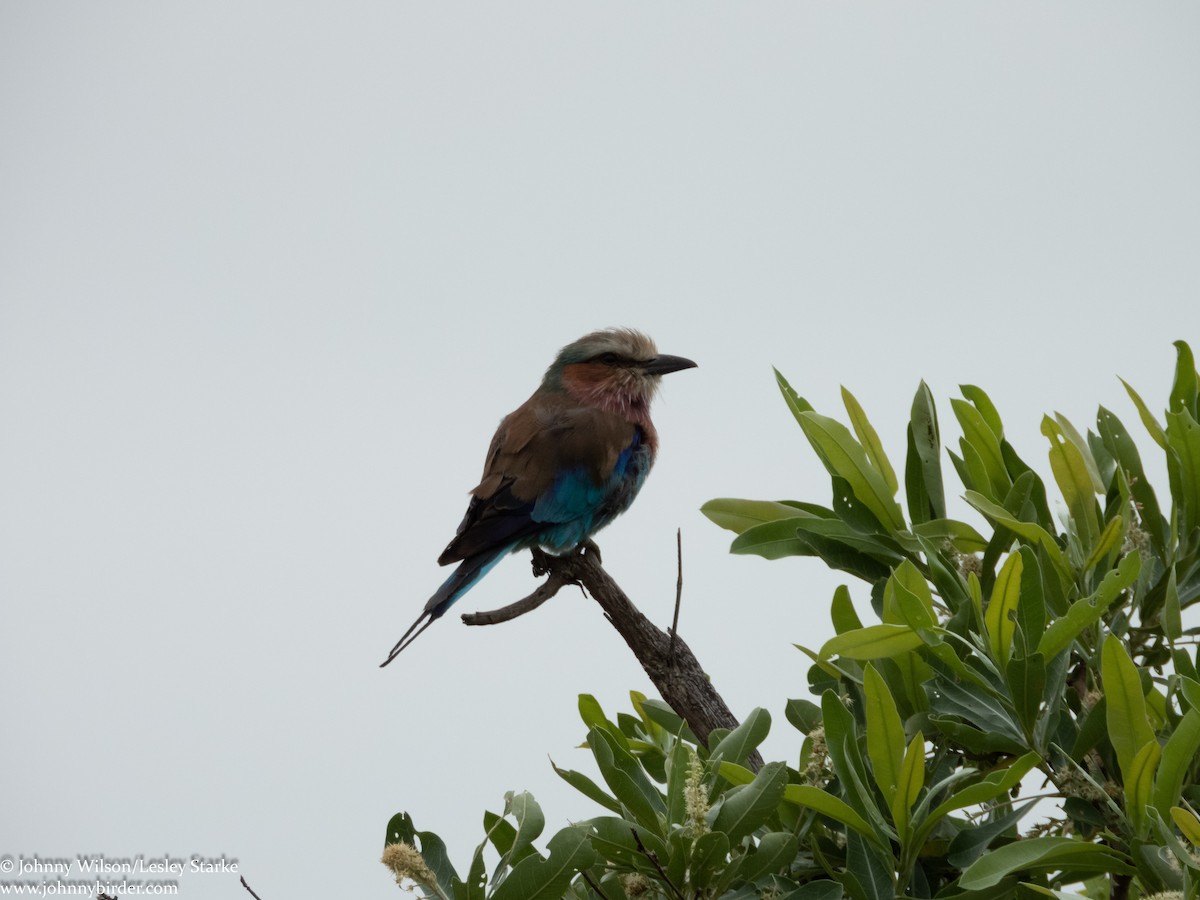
(400, 828)
(501, 833)
(794, 401)
(885, 733)
(1087, 611)
(775, 852)
(1188, 824)
(741, 515)
(908, 785)
(843, 456)
(1000, 615)
(979, 439)
(745, 738)
(1185, 389)
(872, 642)
(1178, 755)
(1172, 611)
(923, 465)
(1128, 726)
(746, 807)
(709, 855)
(587, 787)
(1152, 426)
(1139, 783)
(591, 712)
(869, 440)
(1183, 439)
(803, 714)
(530, 822)
(842, 611)
(829, 805)
(913, 597)
(665, 717)
(1041, 854)
(1031, 531)
(1075, 481)
(626, 779)
(535, 878)
(1027, 681)
(994, 785)
(962, 536)
(1108, 541)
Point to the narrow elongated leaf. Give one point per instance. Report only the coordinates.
(1188, 824)
(842, 611)
(1031, 531)
(923, 465)
(1087, 611)
(740, 515)
(1128, 726)
(745, 738)
(962, 536)
(828, 805)
(843, 456)
(1040, 855)
(1075, 481)
(885, 733)
(775, 852)
(530, 822)
(908, 785)
(747, 807)
(1139, 783)
(985, 444)
(626, 779)
(869, 440)
(1185, 389)
(1183, 438)
(1178, 754)
(794, 401)
(1000, 615)
(872, 642)
(587, 787)
(1152, 426)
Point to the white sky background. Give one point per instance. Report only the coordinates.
(271, 273)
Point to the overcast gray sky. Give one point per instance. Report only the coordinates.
(270, 274)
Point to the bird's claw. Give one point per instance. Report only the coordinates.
(540, 561)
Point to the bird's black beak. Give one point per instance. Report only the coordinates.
(663, 364)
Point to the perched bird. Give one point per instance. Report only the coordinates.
(564, 464)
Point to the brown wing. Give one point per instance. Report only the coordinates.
(545, 436)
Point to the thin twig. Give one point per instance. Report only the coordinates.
(591, 882)
(653, 857)
(250, 889)
(678, 597)
(544, 592)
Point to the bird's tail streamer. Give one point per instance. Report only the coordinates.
(460, 581)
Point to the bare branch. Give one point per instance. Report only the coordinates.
(666, 659)
(250, 889)
(678, 594)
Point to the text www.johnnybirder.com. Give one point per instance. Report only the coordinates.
(98, 875)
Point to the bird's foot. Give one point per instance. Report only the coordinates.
(540, 561)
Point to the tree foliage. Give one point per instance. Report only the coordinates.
(1040, 658)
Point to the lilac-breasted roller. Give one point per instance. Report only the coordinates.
(564, 464)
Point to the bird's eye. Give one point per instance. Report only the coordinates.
(609, 359)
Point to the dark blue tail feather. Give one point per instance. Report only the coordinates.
(461, 580)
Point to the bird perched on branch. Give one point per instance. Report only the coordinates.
(564, 464)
